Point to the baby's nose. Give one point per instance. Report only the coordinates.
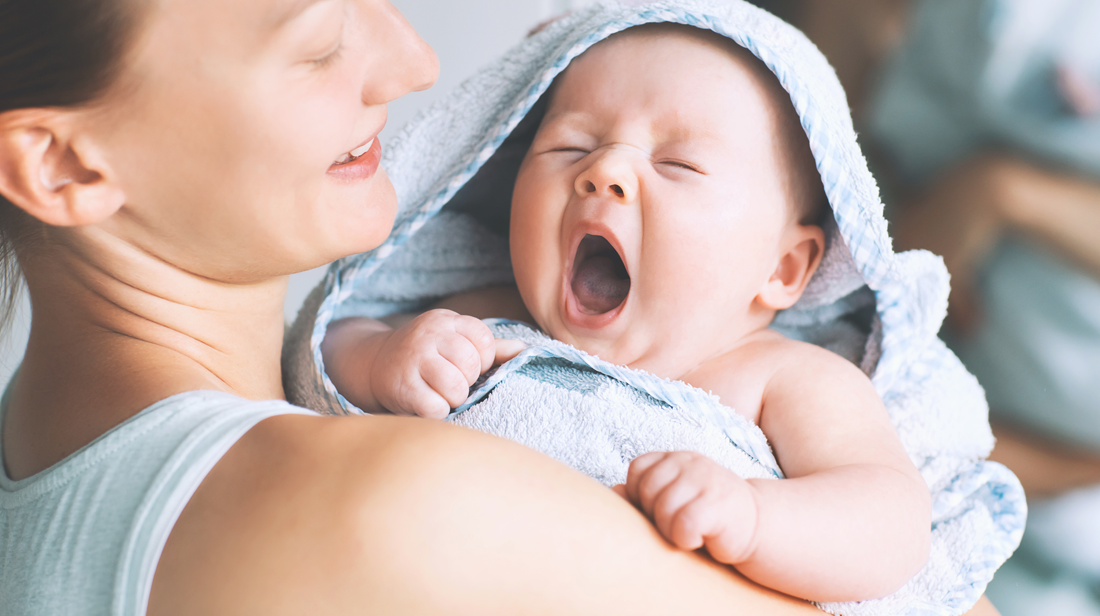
(618, 191)
(610, 177)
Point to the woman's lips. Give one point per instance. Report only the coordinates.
(362, 168)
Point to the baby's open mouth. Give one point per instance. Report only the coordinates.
(600, 280)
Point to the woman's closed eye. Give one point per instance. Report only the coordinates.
(330, 56)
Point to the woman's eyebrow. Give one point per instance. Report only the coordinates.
(290, 10)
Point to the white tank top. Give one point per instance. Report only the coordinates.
(85, 535)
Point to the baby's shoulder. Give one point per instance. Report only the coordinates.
(787, 362)
(767, 361)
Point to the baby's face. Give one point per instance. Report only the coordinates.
(650, 209)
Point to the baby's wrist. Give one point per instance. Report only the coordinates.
(350, 351)
(737, 543)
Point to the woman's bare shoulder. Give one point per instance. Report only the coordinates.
(395, 515)
(300, 504)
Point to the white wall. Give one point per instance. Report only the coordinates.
(466, 34)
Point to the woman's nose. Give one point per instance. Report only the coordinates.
(610, 177)
(405, 63)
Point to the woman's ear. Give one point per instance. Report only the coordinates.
(49, 169)
(802, 249)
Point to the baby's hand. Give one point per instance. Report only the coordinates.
(426, 367)
(694, 502)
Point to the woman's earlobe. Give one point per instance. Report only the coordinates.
(50, 174)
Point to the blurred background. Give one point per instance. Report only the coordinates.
(981, 119)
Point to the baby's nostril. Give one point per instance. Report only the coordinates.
(589, 187)
(618, 190)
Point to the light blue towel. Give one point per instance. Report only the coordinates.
(453, 168)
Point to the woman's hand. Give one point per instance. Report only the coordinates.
(423, 368)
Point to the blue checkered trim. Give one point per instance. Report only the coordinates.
(742, 433)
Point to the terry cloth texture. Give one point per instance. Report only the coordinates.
(453, 168)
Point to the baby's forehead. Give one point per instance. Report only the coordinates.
(702, 80)
(690, 60)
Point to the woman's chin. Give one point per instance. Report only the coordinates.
(363, 220)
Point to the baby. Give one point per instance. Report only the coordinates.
(665, 211)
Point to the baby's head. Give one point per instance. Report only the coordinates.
(668, 205)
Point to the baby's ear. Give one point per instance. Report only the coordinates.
(800, 253)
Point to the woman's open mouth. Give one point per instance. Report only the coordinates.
(358, 164)
(600, 281)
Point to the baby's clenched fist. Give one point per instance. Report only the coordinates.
(426, 367)
(694, 502)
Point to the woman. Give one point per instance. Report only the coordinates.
(162, 187)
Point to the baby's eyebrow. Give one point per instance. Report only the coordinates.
(571, 119)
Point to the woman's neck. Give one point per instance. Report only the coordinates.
(115, 330)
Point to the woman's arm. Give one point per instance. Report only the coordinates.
(406, 516)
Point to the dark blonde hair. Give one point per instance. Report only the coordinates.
(53, 53)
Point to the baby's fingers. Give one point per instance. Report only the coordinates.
(507, 349)
(647, 476)
(481, 337)
(463, 355)
(687, 518)
(446, 380)
(421, 400)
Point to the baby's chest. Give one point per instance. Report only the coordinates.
(740, 387)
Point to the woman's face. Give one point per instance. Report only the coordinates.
(230, 129)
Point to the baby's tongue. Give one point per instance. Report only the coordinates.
(600, 284)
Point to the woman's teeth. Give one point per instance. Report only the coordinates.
(356, 153)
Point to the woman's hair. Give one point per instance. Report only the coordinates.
(53, 53)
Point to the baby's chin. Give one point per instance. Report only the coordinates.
(615, 351)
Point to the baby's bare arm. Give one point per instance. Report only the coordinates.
(850, 522)
(852, 519)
